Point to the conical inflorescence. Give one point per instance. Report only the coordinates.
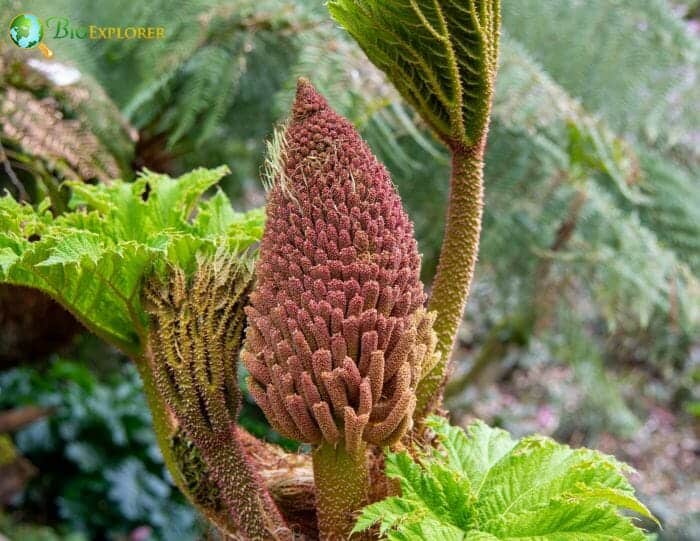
(337, 335)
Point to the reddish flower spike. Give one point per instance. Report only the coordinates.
(338, 303)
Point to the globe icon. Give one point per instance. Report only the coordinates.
(26, 31)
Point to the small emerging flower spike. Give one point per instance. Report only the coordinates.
(195, 332)
(337, 337)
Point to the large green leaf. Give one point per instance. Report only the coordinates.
(441, 55)
(93, 260)
(481, 484)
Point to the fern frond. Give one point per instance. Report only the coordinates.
(636, 63)
(58, 124)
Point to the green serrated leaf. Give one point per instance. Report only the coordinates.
(94, 259)
(474, 452)
(7, 258)
(566, 520)
(73, 247)
(481, 484)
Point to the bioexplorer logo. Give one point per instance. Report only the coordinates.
(27, 32)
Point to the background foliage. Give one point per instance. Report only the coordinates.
(99, 461)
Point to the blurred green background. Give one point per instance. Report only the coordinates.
(583, 322)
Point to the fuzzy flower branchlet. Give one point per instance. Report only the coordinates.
(337, 336)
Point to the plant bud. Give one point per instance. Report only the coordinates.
(337, 335)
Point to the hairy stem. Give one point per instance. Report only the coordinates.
(163, 426)
(342, 485)
(458, 255)
(243, 491)
(230, 469)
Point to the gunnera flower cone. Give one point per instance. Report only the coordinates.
(337, 336)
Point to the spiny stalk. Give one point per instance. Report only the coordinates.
(194, 340)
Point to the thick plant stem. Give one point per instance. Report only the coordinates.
(342, 485)
(455, 270)
(243, 492)
(230, 468)
(163, 425)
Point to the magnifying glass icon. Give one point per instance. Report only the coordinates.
(27, 32)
